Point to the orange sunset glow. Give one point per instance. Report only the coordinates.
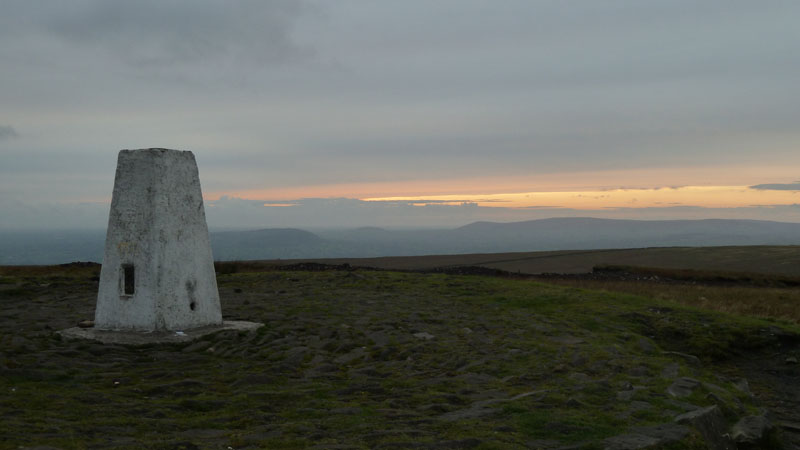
(702, 196)
(728, 188)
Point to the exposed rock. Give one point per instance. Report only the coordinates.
(573, 402)
(483, 407)
(711, 387)
(712, 426)
(41, 447)
(256, 379)
(635, 406)
(477, 378)
(543, 444)
(631, 442)
(683, 405)
(20, 342)
(628, 394)
(578, 360)
(682, 387)
(202, 433)
(646, 346)
(86, 324)
(726, 408)
(753, 432)
(459, 443)
(347, 410)
(424, 335)
(567, 340)
(691, 359)
(379, 339)
(647, 437)
(791, 426)
(579, 377)
(197, 346)
(468, 413)
(409, 432)
(403, 445)
(353, 355)
(743, 385)
(334, 447)
(437, 407)
(670, 370)
(295, 355)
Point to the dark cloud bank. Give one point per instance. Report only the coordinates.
(777, 187)
(7, 132)
(168, 33)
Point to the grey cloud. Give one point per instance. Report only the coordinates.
(394, 91)
(777, 187)
(170, 33)
(7, 132)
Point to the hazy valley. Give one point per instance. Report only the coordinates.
(57, 247)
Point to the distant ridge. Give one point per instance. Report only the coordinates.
(243, 245)
(592, 233)
(566, 233)
(556, 222)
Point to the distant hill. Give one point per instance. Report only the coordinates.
(282, 242)
(591, 233)
(491, 237)
(479, 237)
(51, 247)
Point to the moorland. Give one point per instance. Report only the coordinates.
(453, 354)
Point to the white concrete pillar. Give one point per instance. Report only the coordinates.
(158, 271)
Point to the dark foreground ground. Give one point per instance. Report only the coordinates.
(781, 260)
(374, 359)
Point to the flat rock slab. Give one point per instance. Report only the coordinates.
(160, 337)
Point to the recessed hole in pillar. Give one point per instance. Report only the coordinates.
(192, 305)
(128, 279)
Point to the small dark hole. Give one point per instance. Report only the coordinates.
(192, 306)
(129, 280)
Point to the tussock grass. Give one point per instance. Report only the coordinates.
(362, 359)
(695, 276)
(748, 294)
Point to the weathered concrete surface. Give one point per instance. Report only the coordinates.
(157, 233)
(155, 337)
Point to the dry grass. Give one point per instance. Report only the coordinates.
(769, 296)
(765, 302)
(763, 297)
(63, 270)
(772, 260)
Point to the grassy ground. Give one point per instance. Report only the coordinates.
(775, 303)
(359, 359)
(777, 260)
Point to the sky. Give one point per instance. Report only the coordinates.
(313, 113)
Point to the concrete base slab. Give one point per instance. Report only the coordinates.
(159, 337)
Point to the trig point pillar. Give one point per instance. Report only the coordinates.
(157, 272)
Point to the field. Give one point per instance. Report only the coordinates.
(379, 359)
(775, 260)
(758, 281)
